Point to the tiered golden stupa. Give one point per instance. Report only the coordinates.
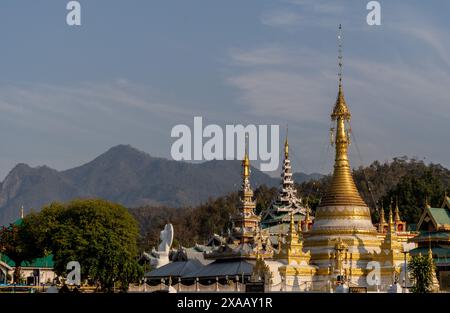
(246, 240)
(390, 256)
(342, 218)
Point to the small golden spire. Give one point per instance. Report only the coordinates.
(286, 144)
(292, 224)
(21, 212)
(430, 252)
(397, 213)
(246, 161)
(382, 218)
(391, 228)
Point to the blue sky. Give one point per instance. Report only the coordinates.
(134, 69)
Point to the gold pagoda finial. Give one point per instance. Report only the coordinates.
(430, 252)
(246, 161)
(286, 144)
(391, 228)
(292, 223)
(382, 218)
(21, 212)
(342, 190)
(340, 108)
(340, 58)
(382, 221)
(397, 213)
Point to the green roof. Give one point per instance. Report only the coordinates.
(439, 251)
(432, 235)
(441, 215)
(45, 262)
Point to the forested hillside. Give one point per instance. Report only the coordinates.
(410, 182)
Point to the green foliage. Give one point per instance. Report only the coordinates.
(409, 181)
(194, 225)
(263, 197)
(421, 268)
(18, 243)
(100, 235)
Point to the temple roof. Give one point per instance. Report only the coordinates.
(441, 215)
(175, 269)
(440, 218)
(224, 268)
(44, 262)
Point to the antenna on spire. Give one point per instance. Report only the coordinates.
(340, 61)
(246, 144)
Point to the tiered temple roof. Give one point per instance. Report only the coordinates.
(287, 201)
(246, 239)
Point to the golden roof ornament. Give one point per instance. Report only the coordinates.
(382, 221)
(342, 190)
(391, 228)
(286, 145)
(397, 213)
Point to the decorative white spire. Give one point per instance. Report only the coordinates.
(288, 192)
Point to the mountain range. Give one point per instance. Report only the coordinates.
(127, 176)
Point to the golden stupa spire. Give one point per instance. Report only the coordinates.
(430, 252)
(391, 228)
(21, 212)
(342, 190)
(246, 161)
(382, 218)
(286, 144)
(247, 192)
(292, 224)
(397, 213)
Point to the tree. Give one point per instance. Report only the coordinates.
(422, 270)
(18, 244)
(100, 235)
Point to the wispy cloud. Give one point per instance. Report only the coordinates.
(386, 97)
(269, 55)
(281, 18)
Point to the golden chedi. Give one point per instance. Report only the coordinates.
(342, 216)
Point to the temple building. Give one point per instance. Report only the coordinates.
(390, 255)
(336, 251)
(245, 244)
(38, 271)
(434, 235)
(295, 271)
(246, 239)
(402, 234)
(343, 242)
(276, 218)
(342, 217)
